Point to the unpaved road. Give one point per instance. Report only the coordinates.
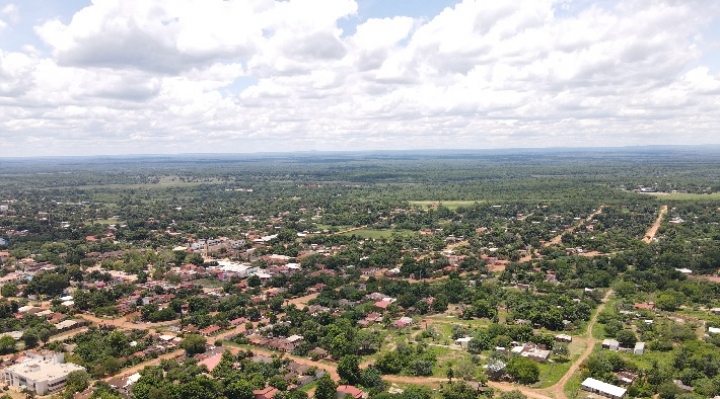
(650, 234)
(557, 389)
(572, 228)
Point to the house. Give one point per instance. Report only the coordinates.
(404, 321)
(639, 348)
(42, 373)
(211, 362)
(563, 338)
(626, 377)
(713, 330)
(644, 306)
(611, 344)
(238, 321)
(532, 351)
(496, 369)
(349, 390)
(603, 388)
(318, 353)
(265, 393)
(464, 341)
(683, 387)
(293, 341)
(206, 332)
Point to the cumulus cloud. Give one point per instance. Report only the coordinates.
(167, 76)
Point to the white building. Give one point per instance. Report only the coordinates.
(464, 341)
(42, 373)
(603, 388)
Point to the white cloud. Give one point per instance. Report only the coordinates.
(256, 75)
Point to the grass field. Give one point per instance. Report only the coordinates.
(686, 197)
(377, 234)
(551, 373)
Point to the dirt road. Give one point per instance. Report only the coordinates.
(650, 234)
(153, 362)
(572, 228)
(558, 388)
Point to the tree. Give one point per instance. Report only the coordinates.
(667, 302)
(349, 369)
(561, 350)
(523, 370)
(76, 381)
(7, 345)
(371, 378)
(278, 382)
(626, 338)
(459, 390)
(193, 344)
(465, 369)
(30, 338)
(326, 388)
(450, 373)
(9, 290)
(239, 389)
(514, 394)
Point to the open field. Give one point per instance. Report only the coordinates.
(686, 196)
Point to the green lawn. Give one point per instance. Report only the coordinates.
(686, 197)
(551, 373)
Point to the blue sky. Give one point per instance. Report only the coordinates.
(178, 76)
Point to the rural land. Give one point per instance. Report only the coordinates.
(541, 274)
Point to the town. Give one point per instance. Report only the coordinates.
(254, 284)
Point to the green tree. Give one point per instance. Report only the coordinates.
(349, 369)
(9, 290)
(30, 338)
(626, 338)
(278, 382)
(7, 345)
(326, 388)
(561, 350)
(514, 394)
(371, 378)
(76, 381)
(239, 389)
(459, 390)
(450, 373)
(193, 344)
(523, 370)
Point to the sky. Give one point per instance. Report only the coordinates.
(113, 77)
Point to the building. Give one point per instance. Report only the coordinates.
(639, 348)
(603, 388)
(349, 391)
(464, 341)
(611, 344)
(563, 338)
(265, 393)
(42, 373)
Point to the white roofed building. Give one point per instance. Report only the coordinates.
(42, 374)
(603, 388)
